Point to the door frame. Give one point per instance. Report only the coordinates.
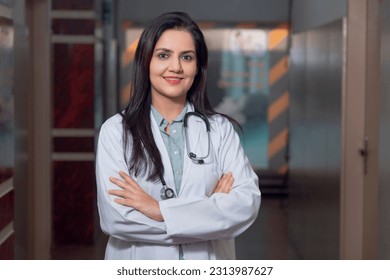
(360, 131)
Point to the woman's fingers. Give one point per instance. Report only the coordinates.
(122, 201)
(127, 189)
(119, 183)
(225, 183)
(229, 183)
(132, 195)
(128, 179)
(119, 193)
(126, 183)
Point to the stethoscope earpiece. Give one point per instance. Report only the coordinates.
(192, 155)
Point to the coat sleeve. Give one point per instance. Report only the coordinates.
(220, 216)
(116, 220)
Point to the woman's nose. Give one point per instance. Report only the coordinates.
(175, 65)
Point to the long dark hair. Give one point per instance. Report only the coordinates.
(136, 116)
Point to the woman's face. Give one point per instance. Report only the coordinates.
(173, 66)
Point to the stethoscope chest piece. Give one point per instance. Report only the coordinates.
(166, 193)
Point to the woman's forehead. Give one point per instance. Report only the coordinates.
(175, 39)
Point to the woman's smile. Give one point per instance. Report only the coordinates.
(173, 80)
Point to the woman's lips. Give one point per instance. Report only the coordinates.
(173, 80)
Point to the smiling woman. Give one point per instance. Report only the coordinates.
(172, 71)
(155, 202)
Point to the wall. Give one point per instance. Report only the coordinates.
(315, 143)
(315, 125)
(384, 148)
(231, 10)
(308, 14)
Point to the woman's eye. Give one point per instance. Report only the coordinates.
(187, 57)
(162, 55)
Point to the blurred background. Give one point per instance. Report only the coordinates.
(306, 79)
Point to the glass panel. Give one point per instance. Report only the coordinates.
(6, 100)
(73, 95)
(72, 5)
(6, 209)
(73, 144)
(6, 130)
(7, 249)
(238, 84)
(73, 202)
(73, 26)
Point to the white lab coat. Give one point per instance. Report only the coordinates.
(204, 223)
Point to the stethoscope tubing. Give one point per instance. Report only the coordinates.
(166, 192)
(191, 155)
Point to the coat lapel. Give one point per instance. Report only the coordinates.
(168, 174)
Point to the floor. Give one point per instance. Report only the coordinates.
(266, 239)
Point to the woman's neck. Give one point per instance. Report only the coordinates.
(168, 108)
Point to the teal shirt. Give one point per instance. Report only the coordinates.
(174, 143)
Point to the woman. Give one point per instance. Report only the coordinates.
(142, 158)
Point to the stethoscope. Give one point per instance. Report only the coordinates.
(166, 192)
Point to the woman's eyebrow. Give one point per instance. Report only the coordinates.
(163, 49)
(189, 51)
(170, 51)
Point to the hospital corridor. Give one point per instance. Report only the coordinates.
(306, 80)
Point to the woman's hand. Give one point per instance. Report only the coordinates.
(134, 196)
(224, 184)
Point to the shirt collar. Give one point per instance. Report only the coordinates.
(157, 116)
(160, 119)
